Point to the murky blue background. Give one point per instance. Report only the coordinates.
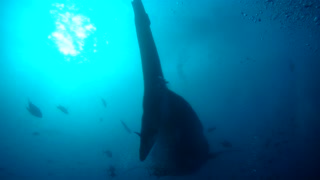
(249, 68)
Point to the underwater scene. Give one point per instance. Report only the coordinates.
(160, 89)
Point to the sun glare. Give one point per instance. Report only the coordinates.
(71, 30)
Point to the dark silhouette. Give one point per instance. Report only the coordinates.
(168, 118)
(34, 110)
(63, 109)
(35, 133)
(125, 127)
(292, 66)
(226, 144)
(104, 103)
(111, 171)
(211, 129)
(108, 153)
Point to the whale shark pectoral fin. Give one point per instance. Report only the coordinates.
(148, 136)
(147, 141)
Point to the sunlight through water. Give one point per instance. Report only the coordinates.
(71, 31)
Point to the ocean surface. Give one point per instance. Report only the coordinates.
(249, 68)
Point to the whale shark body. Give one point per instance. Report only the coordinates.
(170, 130)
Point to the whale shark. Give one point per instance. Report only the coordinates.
(170, 128)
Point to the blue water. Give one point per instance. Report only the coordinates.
(249, 68)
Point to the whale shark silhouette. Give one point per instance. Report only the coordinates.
(168, 121)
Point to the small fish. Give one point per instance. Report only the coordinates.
(268, 142)
(49, 161)
(35, 133)
(34, 110)
(108, 153)
(211, 129)
(226, 144)
(126, 127)
(63, 109)
(277, 144)
(104, 103)
(281, 133)
(247, 60)
(291, 66)
(111, 171)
